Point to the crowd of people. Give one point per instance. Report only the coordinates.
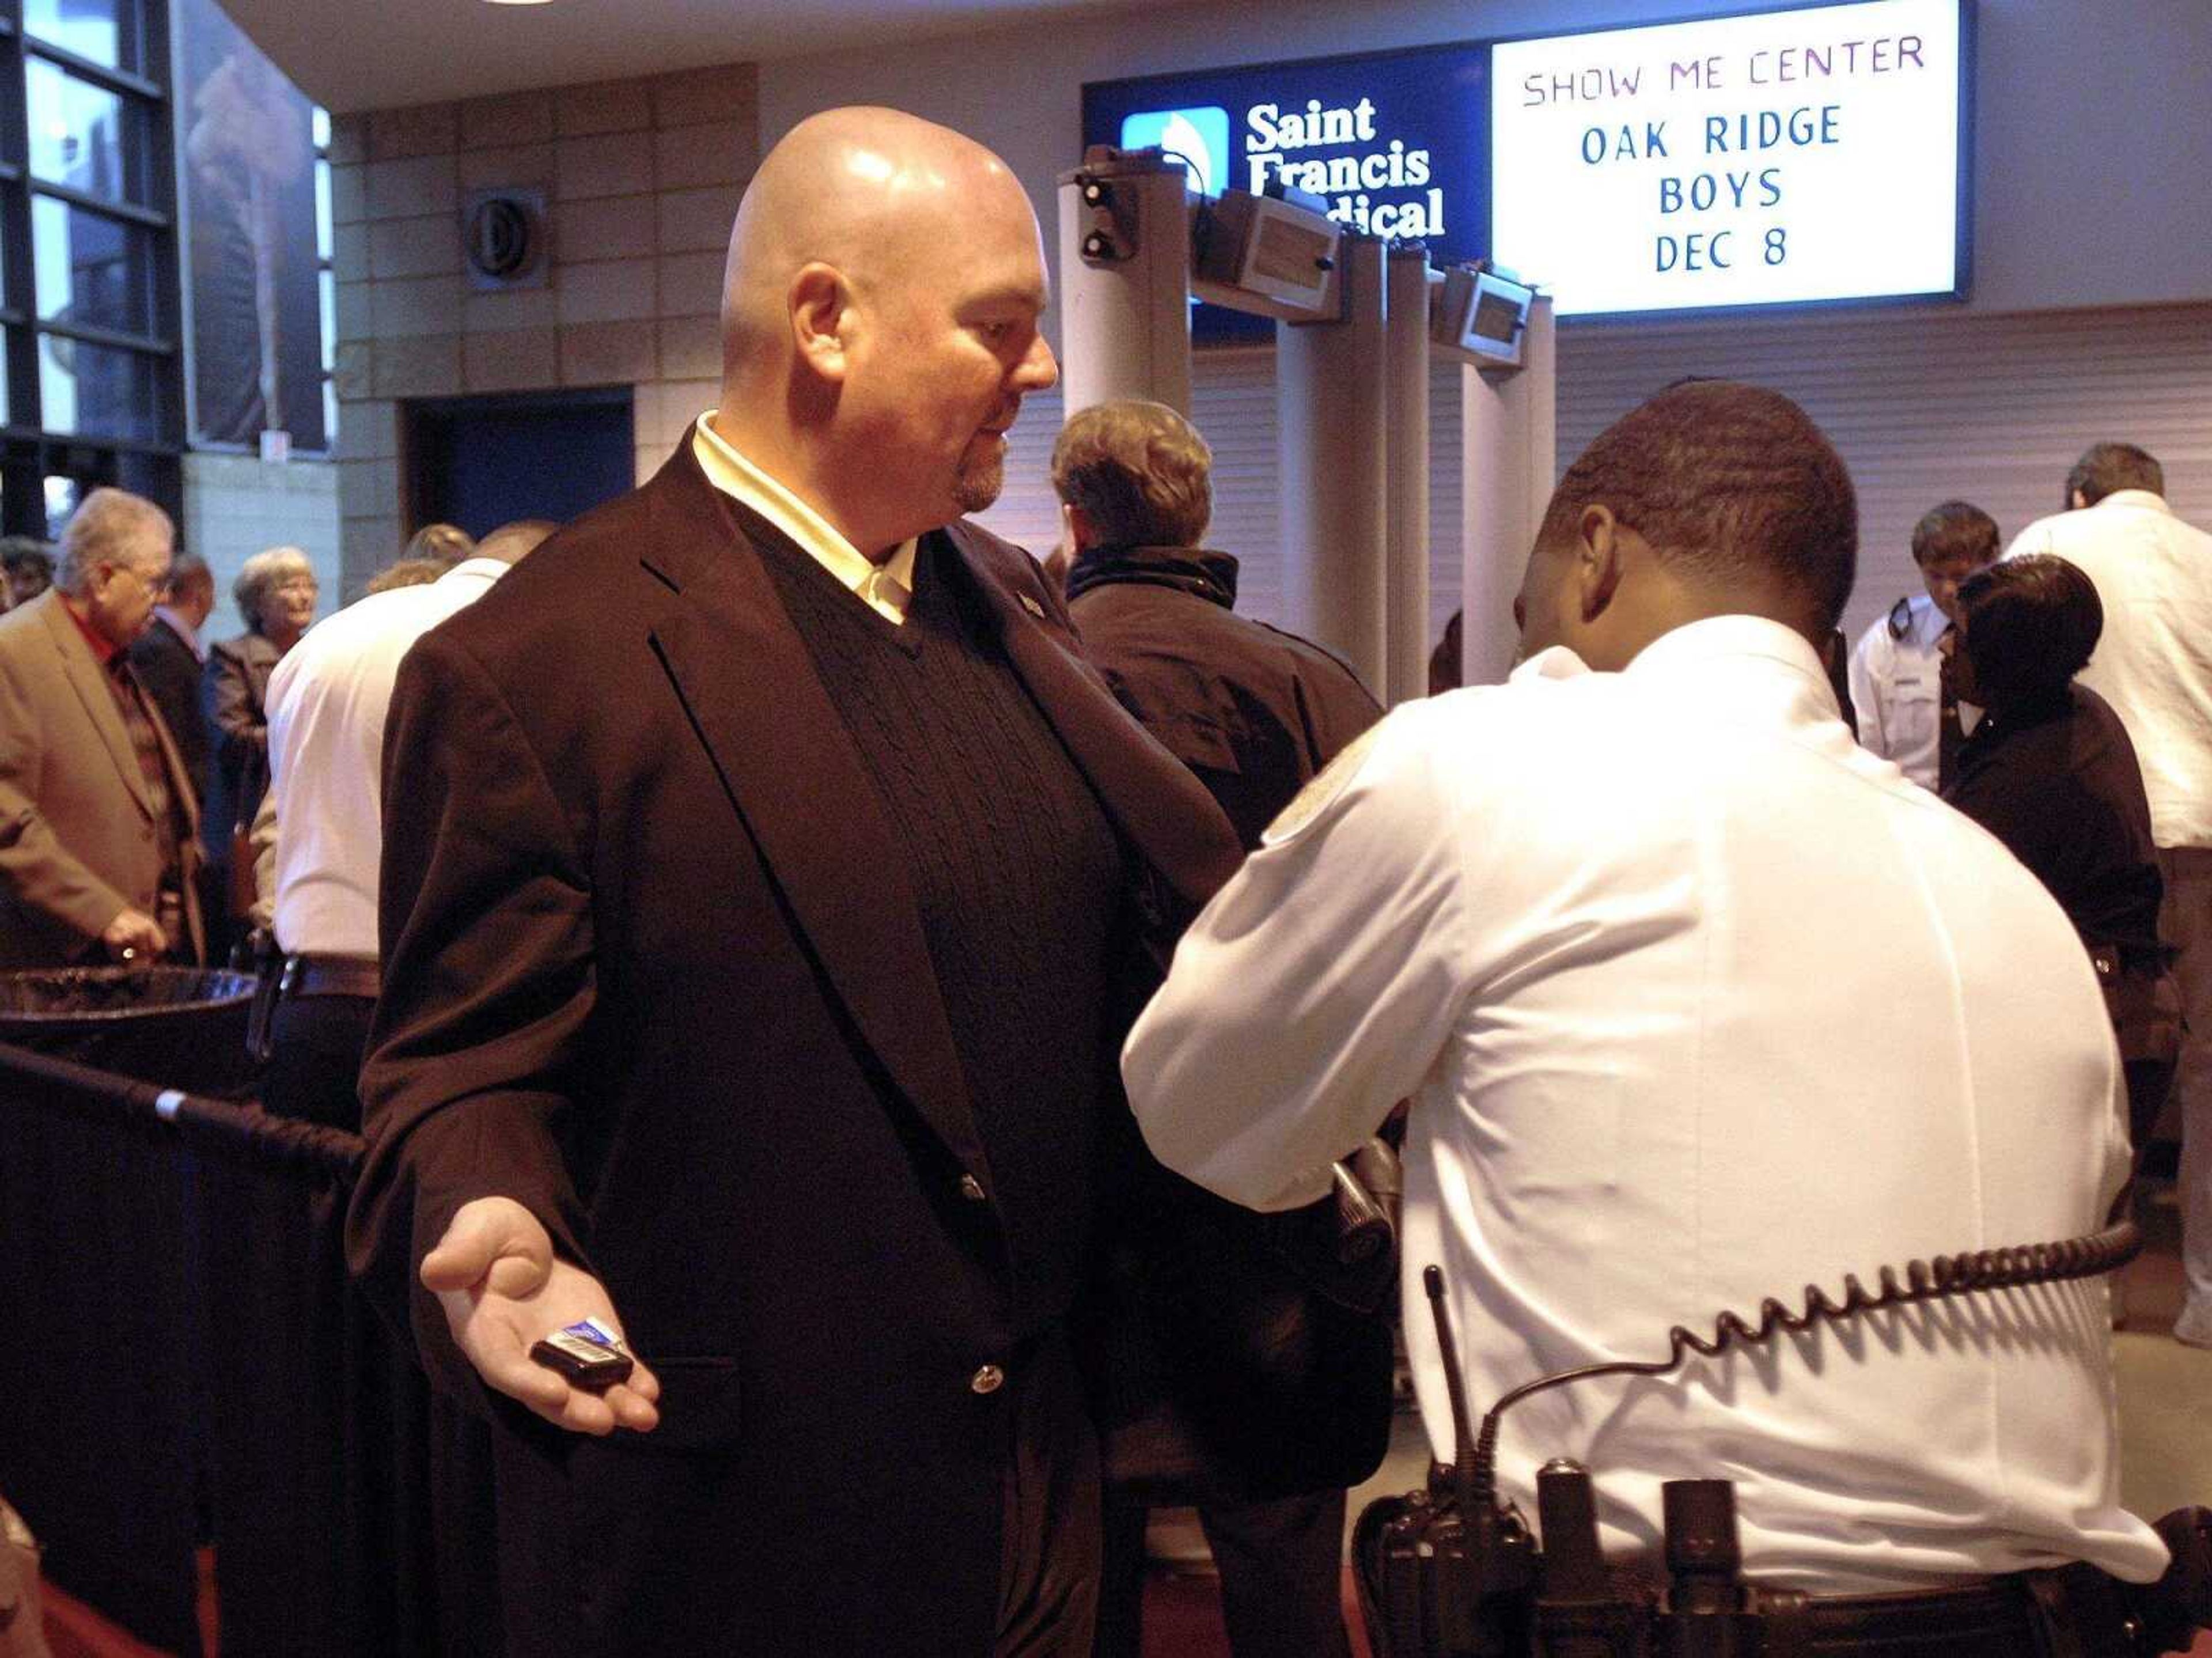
(726, 927)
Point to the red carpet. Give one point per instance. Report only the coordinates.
(1182, 1619)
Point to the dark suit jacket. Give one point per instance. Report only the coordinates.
(78, 839)
(235, 693)
(650, 960)
(1197, 1396)
(2060, 785)
(171, 674)
(1253, 711)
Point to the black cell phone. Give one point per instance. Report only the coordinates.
(587, 1355)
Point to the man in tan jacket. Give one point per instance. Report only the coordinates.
(97, 816)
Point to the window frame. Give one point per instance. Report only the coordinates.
(30, 450)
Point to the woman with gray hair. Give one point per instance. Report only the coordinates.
(276, 593)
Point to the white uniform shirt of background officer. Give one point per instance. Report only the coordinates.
(878, 340)
(1896, 679)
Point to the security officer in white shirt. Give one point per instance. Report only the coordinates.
(327, 702)
(1696, 1002)
(1896, 671)
(2153, 664)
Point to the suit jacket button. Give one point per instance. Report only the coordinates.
(988, 1380)
(971, 1189)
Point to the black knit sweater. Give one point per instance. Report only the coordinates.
(1017, 873)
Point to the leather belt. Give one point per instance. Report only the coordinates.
(2068, 1612)
(329, 976)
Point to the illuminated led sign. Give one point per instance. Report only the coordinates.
(1813, 154)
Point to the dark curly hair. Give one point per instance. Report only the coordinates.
(1734, 482)
(2030, 625)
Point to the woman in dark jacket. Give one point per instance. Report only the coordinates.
(2050, 772)
(276, 593)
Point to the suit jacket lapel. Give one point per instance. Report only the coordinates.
(1152, 798)
(89, 681)
(791, 772)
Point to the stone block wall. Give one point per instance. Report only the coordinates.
(641, 179)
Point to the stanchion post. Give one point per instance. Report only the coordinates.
(1406, 602)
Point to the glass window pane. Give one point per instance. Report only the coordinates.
(321, 127)
(329, 300)
(63, 494)
(325, 232)
(81, 135)
(98, 29)
(91, 269)
(98, 391)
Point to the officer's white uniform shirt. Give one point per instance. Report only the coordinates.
(327, 702)
(1696, 1002)
(1896, 688)
(2154, 661)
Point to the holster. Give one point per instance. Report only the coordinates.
(268, 968)
(1423, 1594)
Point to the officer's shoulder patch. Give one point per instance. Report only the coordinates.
(1317, 797)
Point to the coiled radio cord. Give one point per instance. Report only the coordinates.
(2008, 1268)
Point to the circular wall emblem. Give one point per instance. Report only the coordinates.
(501, 240)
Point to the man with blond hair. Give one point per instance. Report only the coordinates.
(97, 813)
(725, 985)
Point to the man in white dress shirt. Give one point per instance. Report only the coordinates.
(2153, 664)
(1896, 668)
(1696, 1003)
(327, 701)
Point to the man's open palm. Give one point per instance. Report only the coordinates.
(502, 1288)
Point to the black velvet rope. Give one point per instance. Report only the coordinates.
(243, 1132)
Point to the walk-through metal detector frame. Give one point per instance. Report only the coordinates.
(1356, 321)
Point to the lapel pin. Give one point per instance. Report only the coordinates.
(1031, 606)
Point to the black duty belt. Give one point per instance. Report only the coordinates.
(2071, 1611)
(329, 975)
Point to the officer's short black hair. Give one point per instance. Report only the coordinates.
(1957, 529)
(2105, 467)
(1733, 482)
(2030, 625)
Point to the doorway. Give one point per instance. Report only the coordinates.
(480, 461)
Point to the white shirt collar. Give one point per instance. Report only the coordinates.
(185, 631)
(886, 588)
(477, 569)
(1714, 637)
(2148, 500)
